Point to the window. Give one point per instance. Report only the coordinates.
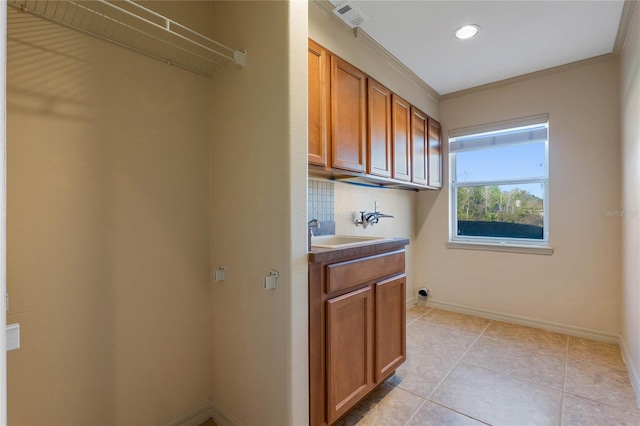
(499, 182)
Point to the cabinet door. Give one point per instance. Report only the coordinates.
(390, 334)
(318, 104)
(348, 116)
(435, 154)
(419, 147)
(401, 140)
(349, 358)
(378, 129)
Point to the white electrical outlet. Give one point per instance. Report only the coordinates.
(219, 274)
(376, 206)
(13, 337)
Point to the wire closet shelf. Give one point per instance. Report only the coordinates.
(135, 27)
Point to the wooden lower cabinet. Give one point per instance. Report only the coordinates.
(357, 333)
(390, 328)
(349, 350)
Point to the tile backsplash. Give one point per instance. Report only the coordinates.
(320, 205)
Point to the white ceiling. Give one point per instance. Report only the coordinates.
(516, 37)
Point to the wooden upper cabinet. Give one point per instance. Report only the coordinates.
(348, 116)
(401, 146)
(435, 154)
(419, 147)
(378, 129)
(318, 104)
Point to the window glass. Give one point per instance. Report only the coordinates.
(499, 183)
(501, 211)
(501, 163)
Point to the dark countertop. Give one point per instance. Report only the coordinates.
(318, 254)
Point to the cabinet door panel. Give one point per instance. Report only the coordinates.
(390, 311)
(419, 146)
(378, 129)
(435, 154)
(401, 139)
(348, 116)
(349, 350)
(318, 104)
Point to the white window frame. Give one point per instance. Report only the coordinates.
(503, 244)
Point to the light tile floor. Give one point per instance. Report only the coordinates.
(466, 370)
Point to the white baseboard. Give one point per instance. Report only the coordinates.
(633, 372)
(223, 417)
(571, 330)
(412, 301)
(194, 418)
(204, 413)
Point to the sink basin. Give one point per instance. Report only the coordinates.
(342, 241)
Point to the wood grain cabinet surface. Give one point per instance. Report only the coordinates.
(419, 151)
(359, 128)
(318, 91)
(390, 330)
(378, 129)
(349, 350)
(435, 154)
(348, 116)
(357, 327)
(401, 114)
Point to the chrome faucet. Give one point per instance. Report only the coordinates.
(369, 218)
(313, 223)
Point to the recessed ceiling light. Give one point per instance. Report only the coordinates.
(467, 31)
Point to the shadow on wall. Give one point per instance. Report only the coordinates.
(59, 273)
(425, 202)
(48, 68)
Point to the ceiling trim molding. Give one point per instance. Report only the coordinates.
(362, 36)
(394, 62)
(324, 5)
(623, 27)
(530, 76)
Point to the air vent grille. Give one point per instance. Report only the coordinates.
(351, 14)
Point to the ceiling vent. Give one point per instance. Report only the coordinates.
(351, 14)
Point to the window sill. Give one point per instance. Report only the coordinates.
(509, 248)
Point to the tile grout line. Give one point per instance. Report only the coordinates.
(591, 362)
(424, 401)
(515, 376)
(456, 411)
(417, 318)
(606, 404)
(458, 362)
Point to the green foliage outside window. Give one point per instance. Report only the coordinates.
(491, 204)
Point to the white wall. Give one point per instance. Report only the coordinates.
(333, 34)
(579, 284)
(630, 113)
(258, 215)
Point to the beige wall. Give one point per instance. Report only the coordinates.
(630, 111)
(350, 200)
(108, 238)
(258, 215)
(579, 284)
(333, 34)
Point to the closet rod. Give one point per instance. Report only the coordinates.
(126, 26)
